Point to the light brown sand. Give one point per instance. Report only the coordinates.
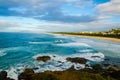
(101, 38)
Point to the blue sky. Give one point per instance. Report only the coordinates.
(58, 15)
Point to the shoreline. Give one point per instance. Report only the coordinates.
(96, 37)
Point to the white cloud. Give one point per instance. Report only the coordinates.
(6, 24)
(20, 24)
(111, 8)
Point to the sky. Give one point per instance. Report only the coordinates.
(59, 15)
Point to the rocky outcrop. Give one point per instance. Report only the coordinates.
(69, 74)
(77, 60)
(113, 69)
(26, 75)
(29, 74)
(3, 76)
(95, 57)
(97, 68)
(43, 58)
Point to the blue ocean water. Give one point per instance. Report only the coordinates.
(19, 50)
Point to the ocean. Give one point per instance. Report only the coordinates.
(19, 51)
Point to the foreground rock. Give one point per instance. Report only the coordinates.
(29, 74)
(43, 58)
(69, 74)
(3, 76)
(77, 60)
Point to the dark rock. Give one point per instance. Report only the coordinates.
(106, 65)
(26, 75)
(77, 60)
(54, 56)
(115, 65)
(30, 75)
(29, 71)
(59, 61)
(106, 59)
(9, 79)
(87, 70)
(64, 75)
(35, 68)
(116, 75)
(3, 76)
(95, 56)
(87, 66)
(97, 68)
(43, 58)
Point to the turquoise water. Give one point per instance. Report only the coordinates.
(19, 50)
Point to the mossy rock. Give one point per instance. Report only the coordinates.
(43, 58)
(87, 70)
(97, 68)
(77, 60)
(30, 71)
(26, 75)
(64, 75)
(43, 76)
(29, 75)
(113, 68)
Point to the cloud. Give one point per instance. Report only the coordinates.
(20, 24)
(48, 15)
(111, 8)
(67, 19)
(82, 3)
(49, 10)
(5, 25)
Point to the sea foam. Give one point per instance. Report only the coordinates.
(38, 42)
(2, 53)
(60, 63)
(73, 44)
(57, 63)
(84, 51)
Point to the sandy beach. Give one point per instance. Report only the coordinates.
(97, 37)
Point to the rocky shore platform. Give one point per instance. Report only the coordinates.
(90, 72)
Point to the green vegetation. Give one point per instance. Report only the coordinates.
(114, 33)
